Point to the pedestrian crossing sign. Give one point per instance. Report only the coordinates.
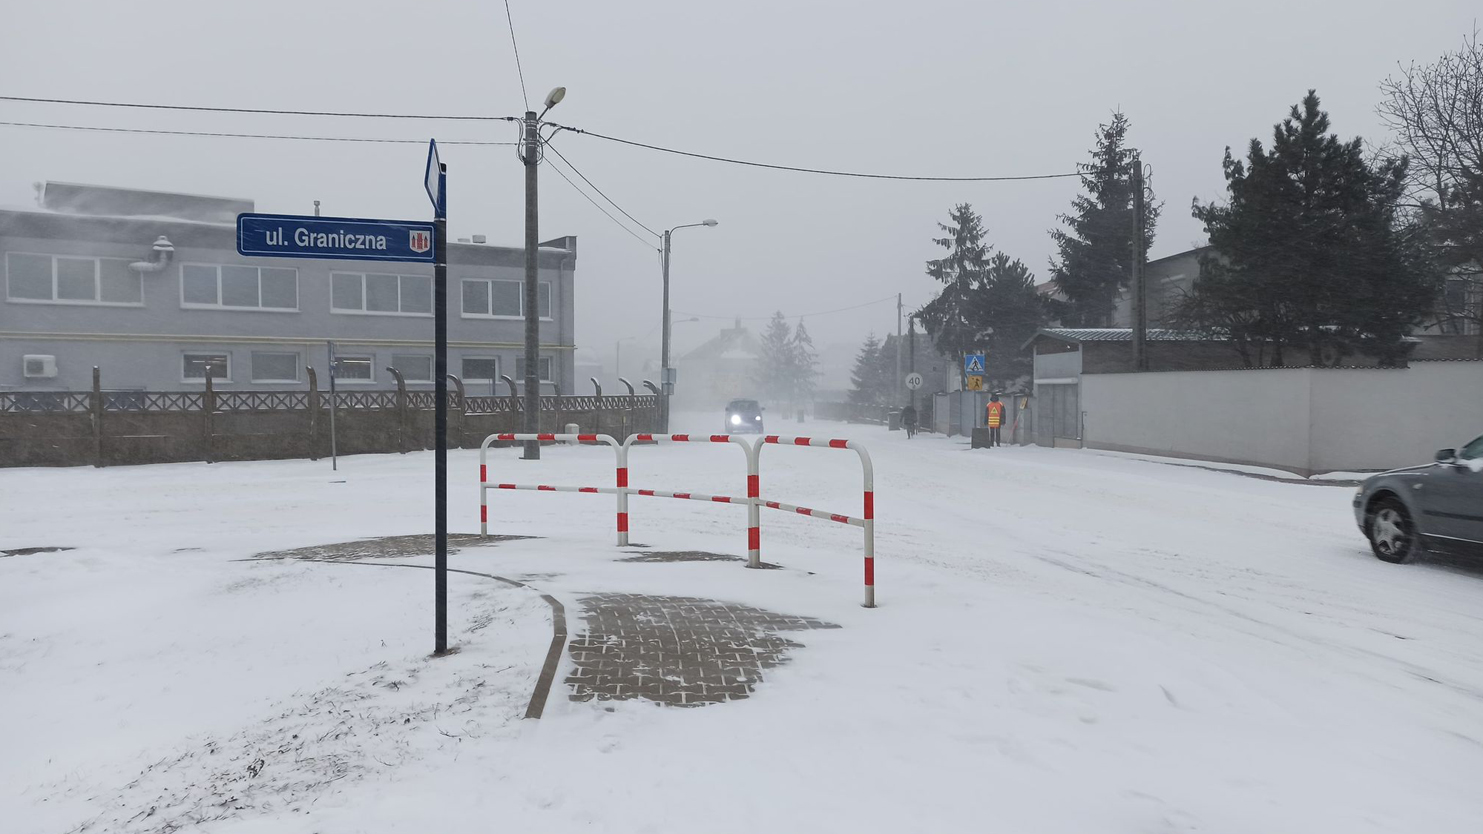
(975, 382)
(973, 363)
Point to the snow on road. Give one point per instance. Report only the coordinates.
(1067, 642)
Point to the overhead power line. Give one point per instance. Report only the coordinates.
(569, 164)
(519, 69)
(823, 171)
(578, 189)
(245, 135)
(260, 111)
(448, 117)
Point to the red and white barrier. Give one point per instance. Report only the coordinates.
(754, 531)
(753, 499)
(867, 517)
(619, 490)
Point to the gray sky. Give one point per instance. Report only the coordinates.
(929, 88)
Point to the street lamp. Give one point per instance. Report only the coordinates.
(666, 373)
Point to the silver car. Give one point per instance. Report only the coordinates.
(1437, 507)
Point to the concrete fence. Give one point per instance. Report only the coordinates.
(107, 428)
(1306, 420)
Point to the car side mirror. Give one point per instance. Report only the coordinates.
(1446, 456)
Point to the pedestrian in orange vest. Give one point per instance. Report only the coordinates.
(994, 418)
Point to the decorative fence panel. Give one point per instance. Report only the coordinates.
(98, 427)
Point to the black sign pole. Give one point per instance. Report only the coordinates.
(440, 408)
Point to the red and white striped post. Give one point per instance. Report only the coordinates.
(754, 554)
(620, 490)
(865, 522)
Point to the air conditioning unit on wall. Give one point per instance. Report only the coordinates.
(39, 367)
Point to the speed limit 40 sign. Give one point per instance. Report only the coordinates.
(913, 380)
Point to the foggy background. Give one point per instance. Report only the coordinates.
(930, 88)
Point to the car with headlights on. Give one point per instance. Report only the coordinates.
(743, 416)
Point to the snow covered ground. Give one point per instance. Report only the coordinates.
(1066, 642)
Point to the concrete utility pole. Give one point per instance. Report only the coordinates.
(531, 153)
(1139, 285)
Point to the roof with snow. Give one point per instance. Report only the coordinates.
(1122, 334)
(731, 344)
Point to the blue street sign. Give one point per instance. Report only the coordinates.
(973, 363)
(334, 238)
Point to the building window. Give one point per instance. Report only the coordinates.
(480, 369)
(275, 367)
(544, 367)
(354, 292)
(491, 298)
(68, 280)
(355, 369)
(198, 366)
(412, 367)
(239, 287)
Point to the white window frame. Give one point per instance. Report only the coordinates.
(201, 380)
(432, 367)
(252, 366)
(193, 305)
(370, 358)
(493, 358)
(550, 299)
(550, 365)
(97, 282)
(351, 311)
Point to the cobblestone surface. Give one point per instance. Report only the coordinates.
(386, 547)
(677, 651)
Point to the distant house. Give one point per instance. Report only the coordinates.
(721, 369)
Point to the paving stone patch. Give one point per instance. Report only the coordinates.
(677, 651)
(385, 547)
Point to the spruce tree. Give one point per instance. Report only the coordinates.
(776, 370)
(805, 365)
(1014, 309)
(953, 317)
(865, 378)
(1314, 255)
(1096, 247)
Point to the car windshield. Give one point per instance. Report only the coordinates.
(1472, 451)
(742, 405)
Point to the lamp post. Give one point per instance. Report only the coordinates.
(530, 154)
(666, 373)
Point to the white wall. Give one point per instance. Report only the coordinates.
(1258, 417)
(1391, 418)
(1303, 419)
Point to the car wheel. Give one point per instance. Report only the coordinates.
(1392, 534)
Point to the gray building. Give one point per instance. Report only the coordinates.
(149, 287)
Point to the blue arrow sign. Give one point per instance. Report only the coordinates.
(334, 238)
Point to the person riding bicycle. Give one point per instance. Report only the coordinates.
(909, 420)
